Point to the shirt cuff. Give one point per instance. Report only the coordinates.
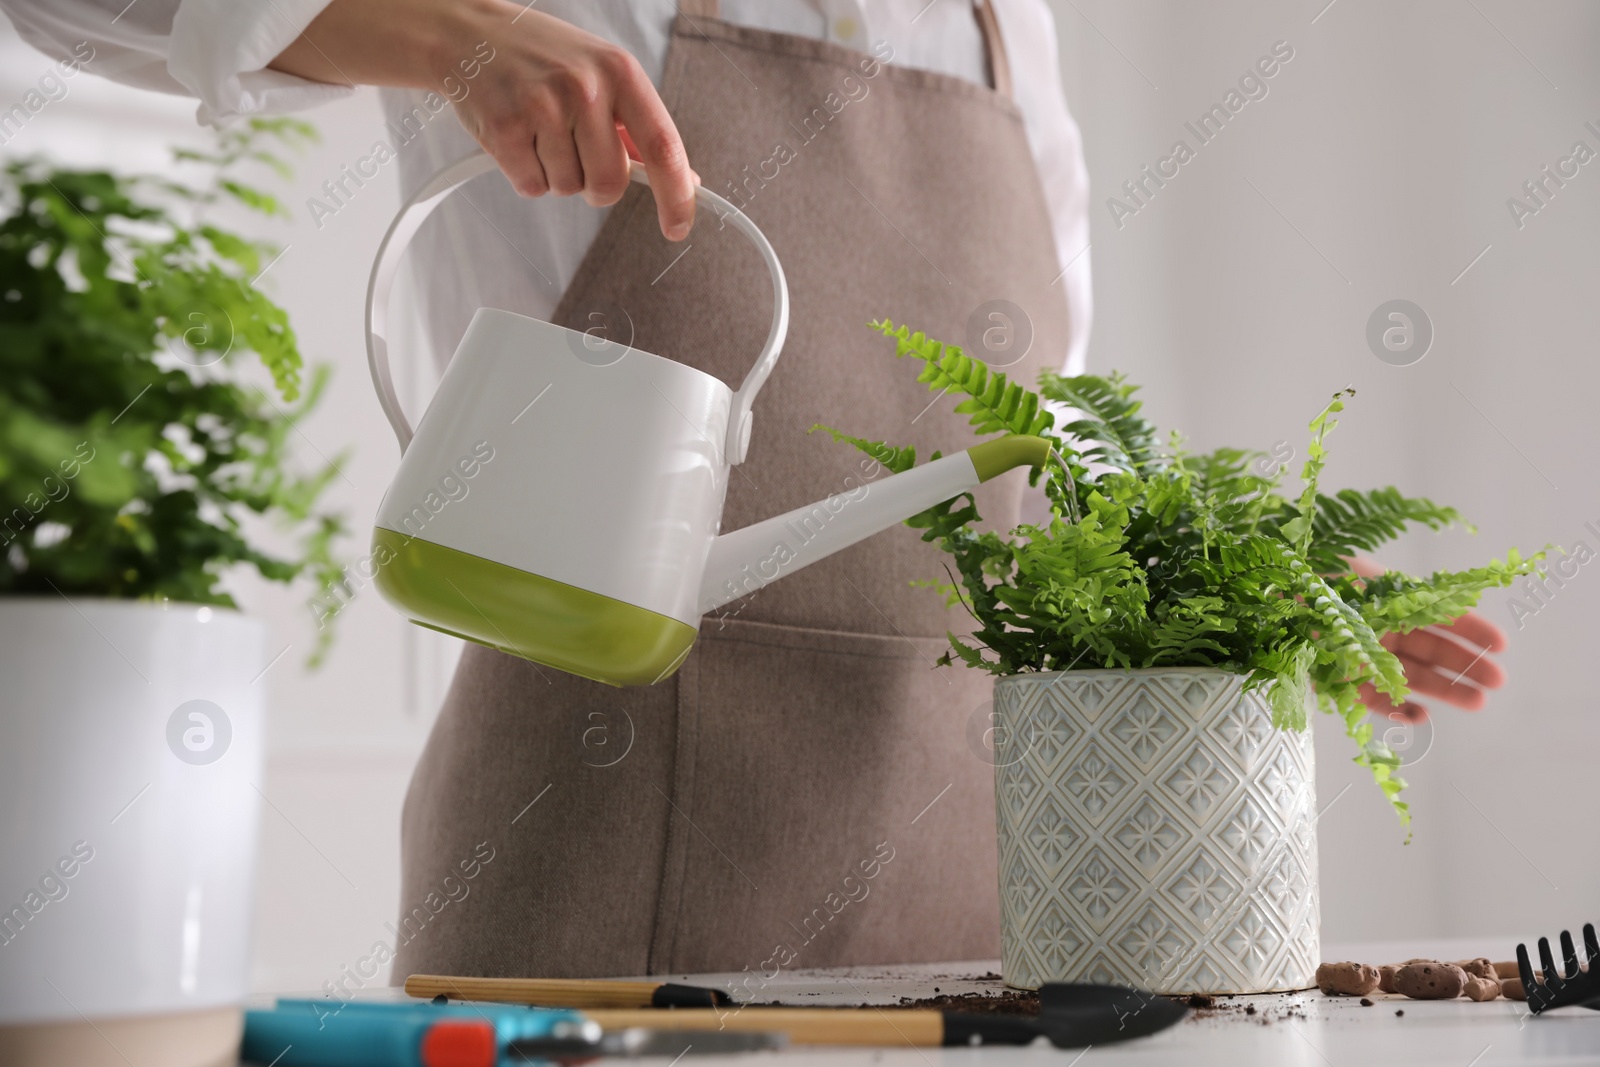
(220, 50)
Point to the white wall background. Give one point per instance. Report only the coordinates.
(1377, 167)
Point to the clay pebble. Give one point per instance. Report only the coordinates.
(1481, 967)
(1430, 981)
(1511, 988)
(1481, 988)
(1386, 975)
(1347, 979)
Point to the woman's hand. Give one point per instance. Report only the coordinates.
(559, 109)
(1456, 671)
(1457, 668)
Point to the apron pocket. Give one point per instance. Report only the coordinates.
(836, 802)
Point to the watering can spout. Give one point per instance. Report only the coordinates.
(747, 559)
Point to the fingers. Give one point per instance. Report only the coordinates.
(558, 154)
(562, 109)
(514, 152)
(1423, 648)
(633, 151)
(1432, 683)
(1479, 631)
(1456, 672)
(603, 159)
(1379, 704)
(653, 133)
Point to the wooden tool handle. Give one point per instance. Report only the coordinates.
(545, 992)
(805, 1026)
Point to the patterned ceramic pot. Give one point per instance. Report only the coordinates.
(1155, 831)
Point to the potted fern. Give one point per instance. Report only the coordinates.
(148, 397)
(1157, 644)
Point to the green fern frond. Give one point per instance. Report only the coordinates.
(1371, 753)
(1396, 603)
(896, 459)
(994, 404)
(1353, 521)
(1298, 530)
(1109, 420)
(1185, 633)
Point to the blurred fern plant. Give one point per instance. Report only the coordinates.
(1156, 557)
(135, 445)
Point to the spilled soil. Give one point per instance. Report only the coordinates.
(1261, 1009)
(1005, 1002)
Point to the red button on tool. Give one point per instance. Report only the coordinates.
(459, 1044)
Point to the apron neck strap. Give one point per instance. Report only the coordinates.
(999, 65)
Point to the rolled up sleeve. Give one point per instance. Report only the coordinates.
(220, 50)
(216, 51)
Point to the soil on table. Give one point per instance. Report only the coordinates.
(1005, 1002)
(1000, 1001)
(1263, 1010)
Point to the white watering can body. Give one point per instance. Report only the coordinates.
(561, 499)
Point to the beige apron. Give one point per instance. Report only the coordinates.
(808, 790)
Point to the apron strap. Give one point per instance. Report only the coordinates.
(999, 65)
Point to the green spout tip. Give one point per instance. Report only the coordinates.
(998, 456)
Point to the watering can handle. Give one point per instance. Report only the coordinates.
(435, 189)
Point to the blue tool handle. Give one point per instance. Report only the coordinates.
(512, 1022)
(327, 1033)
(297, 1038)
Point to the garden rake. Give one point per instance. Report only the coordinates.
(1579, 986)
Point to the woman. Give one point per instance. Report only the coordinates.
(808, 790)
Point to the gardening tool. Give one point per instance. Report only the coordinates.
(1580, 986)
(1070, 1016)
(327, 1033)
(561, 498)
(567, 992)
(323, 1033)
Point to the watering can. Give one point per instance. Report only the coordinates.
(561, 498)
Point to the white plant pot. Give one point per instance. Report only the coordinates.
(1155, 831)
(127, 863)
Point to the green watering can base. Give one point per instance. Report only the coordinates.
(526, 615)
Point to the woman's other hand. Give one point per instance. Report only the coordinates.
(1452, 662)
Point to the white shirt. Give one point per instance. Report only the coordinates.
(518, 254)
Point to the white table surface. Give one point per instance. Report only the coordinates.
(1288, 1030)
